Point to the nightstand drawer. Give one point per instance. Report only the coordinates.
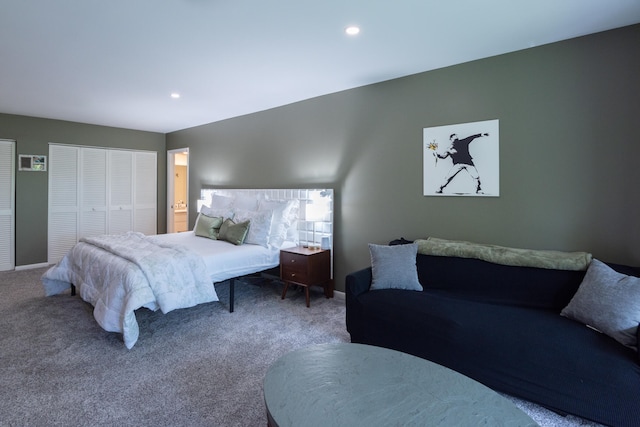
(295, 276)
(293, 262)
(294, 267)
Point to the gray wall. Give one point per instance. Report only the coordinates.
(569, 123)
(33, 136)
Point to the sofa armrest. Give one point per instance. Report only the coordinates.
(638, 344)
(358, 282)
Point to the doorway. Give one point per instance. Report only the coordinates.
(177, 190)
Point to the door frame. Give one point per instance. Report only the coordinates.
(171, 177)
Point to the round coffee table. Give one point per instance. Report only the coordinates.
(360, 385)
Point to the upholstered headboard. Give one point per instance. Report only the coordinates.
(315, 213)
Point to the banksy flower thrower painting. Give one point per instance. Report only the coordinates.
(462, 160)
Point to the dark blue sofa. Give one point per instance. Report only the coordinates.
(501, 326)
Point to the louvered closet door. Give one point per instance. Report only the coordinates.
(7, 205)
(120, 191)
(63, 200)
(93, 192)
(145, 197)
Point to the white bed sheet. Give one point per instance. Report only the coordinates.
(224, 260)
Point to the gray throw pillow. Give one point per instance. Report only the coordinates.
(609, 302)
(394, 267)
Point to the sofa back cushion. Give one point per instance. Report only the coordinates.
(484, 281)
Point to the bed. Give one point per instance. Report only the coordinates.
(118, 274)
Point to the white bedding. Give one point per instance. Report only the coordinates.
(223, 260)
(117, 285)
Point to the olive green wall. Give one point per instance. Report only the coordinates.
(569, 123)
(32, 136)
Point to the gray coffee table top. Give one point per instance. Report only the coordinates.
(360, 385)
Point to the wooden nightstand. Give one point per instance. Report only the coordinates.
(306, 267)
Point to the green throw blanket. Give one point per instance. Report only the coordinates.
(555, 260)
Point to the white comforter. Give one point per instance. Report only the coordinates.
(118, 274)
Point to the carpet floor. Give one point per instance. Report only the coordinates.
(201, 366)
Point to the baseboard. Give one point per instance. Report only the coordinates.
(31, 266)
(339, 295)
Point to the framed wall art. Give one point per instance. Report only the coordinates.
(462, 160)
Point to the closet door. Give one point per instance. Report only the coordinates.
(63, 200)
(7, 204)
(120, 191)
(93, 192)
(145, 192)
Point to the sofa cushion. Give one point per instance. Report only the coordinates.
(503, 284)
(394, 267)
(609, 302)
(530, 353)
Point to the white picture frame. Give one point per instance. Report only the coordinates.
(462, 159)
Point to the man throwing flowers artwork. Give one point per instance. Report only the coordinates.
(462, 160)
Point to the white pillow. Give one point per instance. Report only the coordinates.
(259, 225)
(282, 219)
(219, 201)
(292, 231)
(224, 213)
(248, 203)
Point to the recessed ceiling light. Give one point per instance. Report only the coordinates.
(352, 30)
(175, 95)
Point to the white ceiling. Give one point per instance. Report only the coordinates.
(115, 62)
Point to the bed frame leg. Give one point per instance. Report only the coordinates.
(232, 283)
(73, 290)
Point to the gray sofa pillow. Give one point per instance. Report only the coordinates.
(394, 267)
(609, 302)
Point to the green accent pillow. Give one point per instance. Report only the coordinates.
(207, 226)
(232, 232)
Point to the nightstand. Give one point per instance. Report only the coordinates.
(306, 267)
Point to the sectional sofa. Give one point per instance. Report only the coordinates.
(555, 328)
